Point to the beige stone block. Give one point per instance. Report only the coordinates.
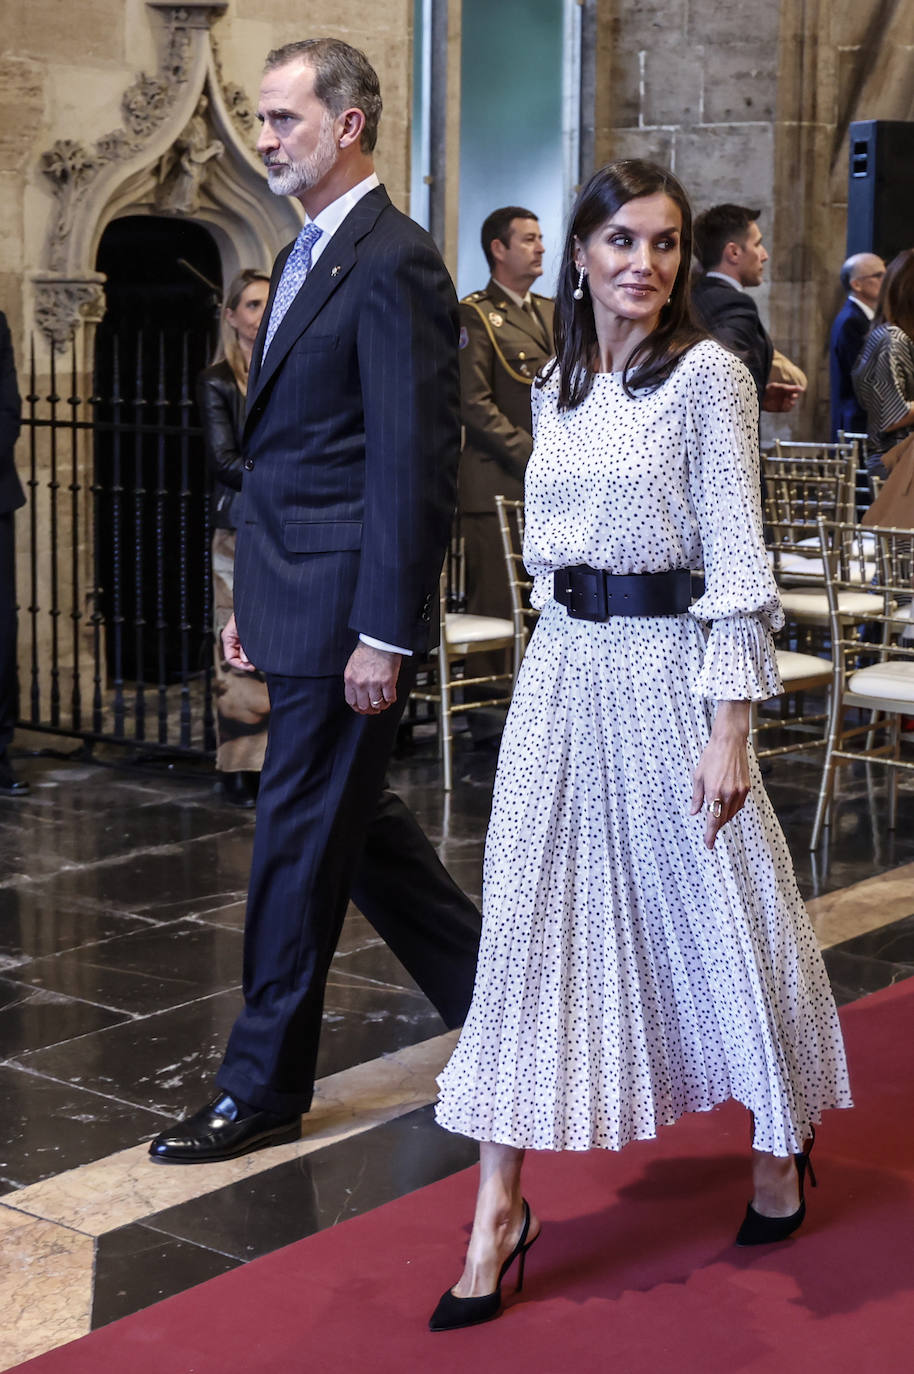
(355, 23)
(607, 47)
(47, 29)
(45, 1286)
(740, 83)
(714, 22)
(22, 110)
(656, 145)
(624, 87)
(727, 162)
(846, 23)
(243, 46)
(86, 102)
(12, 197)
(672, 85)
(11, 305)
(641, 23)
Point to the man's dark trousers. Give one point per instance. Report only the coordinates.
(327, 830)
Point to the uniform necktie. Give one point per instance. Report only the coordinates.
(530, 309)
(298, 265)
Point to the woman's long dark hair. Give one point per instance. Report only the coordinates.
(576, 347)
(896, 296)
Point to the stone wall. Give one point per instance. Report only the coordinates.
(752, 104)
(63, 78)
(838, 62)
(66, 67)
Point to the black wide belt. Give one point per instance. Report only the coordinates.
(592, 594)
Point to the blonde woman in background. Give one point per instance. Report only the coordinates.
(242, 703)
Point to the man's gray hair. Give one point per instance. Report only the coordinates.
(851, 269)
(344, 79)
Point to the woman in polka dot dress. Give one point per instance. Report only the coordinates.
(645, 949)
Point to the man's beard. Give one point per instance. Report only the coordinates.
(292, 178)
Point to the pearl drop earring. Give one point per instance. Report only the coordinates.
(578, 292)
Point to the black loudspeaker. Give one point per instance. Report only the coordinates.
(880, 187)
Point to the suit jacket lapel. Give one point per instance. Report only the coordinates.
(257, 351)
(325, 277)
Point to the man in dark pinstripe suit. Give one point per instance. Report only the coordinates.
(351, 446)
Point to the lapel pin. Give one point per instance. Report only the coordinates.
(335, 270)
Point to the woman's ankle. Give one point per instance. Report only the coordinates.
(776, 1184)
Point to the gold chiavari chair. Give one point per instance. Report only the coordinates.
(511, 525)
(884, 687)
(461, 636)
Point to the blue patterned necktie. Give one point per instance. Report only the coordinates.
(298, 265)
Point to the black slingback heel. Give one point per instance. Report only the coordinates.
(760, 1230)
(452, 1312)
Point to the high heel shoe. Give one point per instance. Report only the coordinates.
(761, 1230)
(453, 1312)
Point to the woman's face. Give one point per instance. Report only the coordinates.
(632, 260)
(246, 316)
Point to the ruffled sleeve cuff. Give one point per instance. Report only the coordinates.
(740, 662)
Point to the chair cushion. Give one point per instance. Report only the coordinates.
(869, 544)
(795, 667)
(810, 604)
(460, 628)
(791, 564)
(893, 681)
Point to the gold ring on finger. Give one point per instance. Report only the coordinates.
(716, 807)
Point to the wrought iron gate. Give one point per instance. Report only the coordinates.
(116, 610)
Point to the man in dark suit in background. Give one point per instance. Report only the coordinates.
(351, 445)
(861, 277)
(11, 498)
(728, 245)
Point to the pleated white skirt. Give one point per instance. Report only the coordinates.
(627, 974)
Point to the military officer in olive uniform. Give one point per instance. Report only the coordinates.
(505, 338)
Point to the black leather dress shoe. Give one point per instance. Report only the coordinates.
(10, 785)
(223, 1129)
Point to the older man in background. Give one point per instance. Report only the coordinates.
(861, 277)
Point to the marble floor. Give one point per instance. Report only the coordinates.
(121, 911)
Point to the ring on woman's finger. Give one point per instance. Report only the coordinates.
(379, 702)
(716, 807)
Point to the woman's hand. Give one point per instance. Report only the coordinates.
(722, 775)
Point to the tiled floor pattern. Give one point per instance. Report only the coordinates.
(121, 907)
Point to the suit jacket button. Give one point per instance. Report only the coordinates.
(248, 465)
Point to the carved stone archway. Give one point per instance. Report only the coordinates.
(184, 148)
(121, 173)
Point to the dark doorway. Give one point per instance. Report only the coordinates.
(159, 330)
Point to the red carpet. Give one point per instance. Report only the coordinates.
(635, 1272)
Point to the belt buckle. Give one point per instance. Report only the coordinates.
(588, 594)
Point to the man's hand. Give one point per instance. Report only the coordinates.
(780, 397)
(371, 679)
(235, 656)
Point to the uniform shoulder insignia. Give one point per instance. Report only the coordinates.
(473, 297)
